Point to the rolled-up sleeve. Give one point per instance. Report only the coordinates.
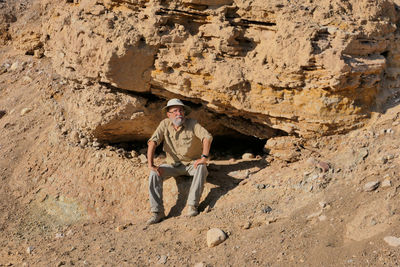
(158, 135)
(201, 132)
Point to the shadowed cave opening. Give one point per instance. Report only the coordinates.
(224, 147)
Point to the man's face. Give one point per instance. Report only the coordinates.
(177, 115)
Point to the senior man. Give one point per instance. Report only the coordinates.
(187, 146)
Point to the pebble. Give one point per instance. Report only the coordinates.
(25, 110)
(2, 113)
(74, 135)
(386, 183)
(322, 204)
(83, 142)
(59, 235)
(371, 186)
(96, 144)
(143, 158)
(163, 259)
(200, 264)
(266, 209)
(260, 186)
(14, 66)
(246, 225)
(134, 154)
(207, 209)
(248, 156)
(392, 241)
(323, 166)
(29, 249)
(215, 236)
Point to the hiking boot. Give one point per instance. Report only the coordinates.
(192, 211)
(156, 218)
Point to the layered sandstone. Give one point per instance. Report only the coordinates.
(257, 67)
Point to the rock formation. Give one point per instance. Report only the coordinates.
(261, 69)
(297, 67)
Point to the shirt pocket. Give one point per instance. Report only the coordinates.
(186, 138)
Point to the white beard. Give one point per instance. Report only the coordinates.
(178, 121)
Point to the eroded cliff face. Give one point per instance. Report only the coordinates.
(260, 68)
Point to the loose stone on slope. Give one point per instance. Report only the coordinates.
(215, 236)
(266, 209)
(248, 156)
(386, 183)
(163, 259)
(371, 186)
(25, 110)
(143, 158)
(392, 241)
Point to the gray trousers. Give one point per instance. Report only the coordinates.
(156, 184)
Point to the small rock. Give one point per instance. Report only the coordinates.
(322, 218)
(14, 66)
(64, 130)
(74, 135)
(143, 158)
(248, 156)
(200, 264)
(25, 110)
(322, 204)
(246, 225)
(29, 250)
(59, 235)
(207, 209)
(83, 142)
(2, 113)
(260, 186)
(371, 186)
(163, 259)
(96, 144)
(323, 166)
(134, 154)
(386, 183)
(266, 209)
(119, 228)
(392, 241)
(362, 155)
(215, 236)
(38, 53)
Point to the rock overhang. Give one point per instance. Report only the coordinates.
(257, 68)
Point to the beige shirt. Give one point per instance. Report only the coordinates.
(183, 145)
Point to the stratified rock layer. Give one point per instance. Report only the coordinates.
(303, 68)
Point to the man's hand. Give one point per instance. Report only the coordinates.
(157, 169)
(200, 161)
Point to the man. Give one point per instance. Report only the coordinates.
(187, 146)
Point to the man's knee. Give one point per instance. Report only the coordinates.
(153, 175)
(202, 168)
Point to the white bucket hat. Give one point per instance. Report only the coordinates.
(177, 102)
